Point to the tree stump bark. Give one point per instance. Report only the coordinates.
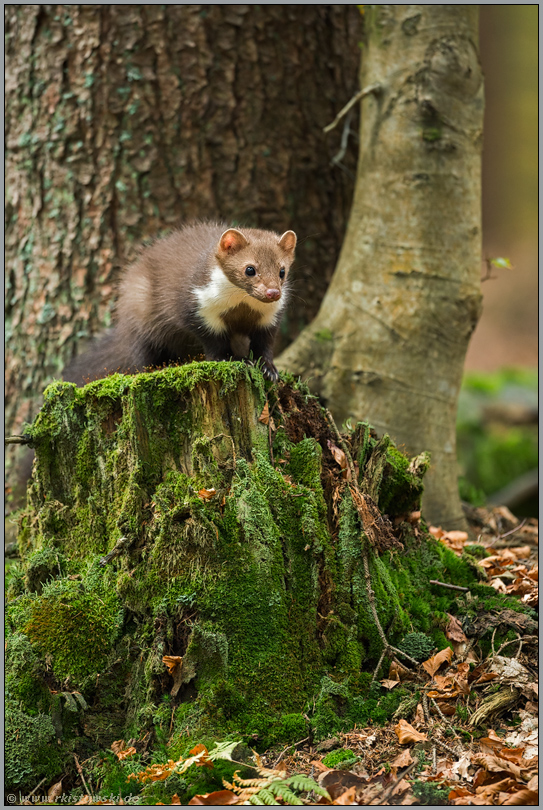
(205, 553)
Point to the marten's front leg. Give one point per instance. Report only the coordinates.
(216, 346)
(262, 342)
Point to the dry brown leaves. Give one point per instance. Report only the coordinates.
(120, 751)
(206, 494)
(158, 772)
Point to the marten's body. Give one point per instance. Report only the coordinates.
(205, 288)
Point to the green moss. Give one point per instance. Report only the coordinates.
(30, 748)
(333, 759)
(417, 645)
(324, 335)
(22, 670)
(430, 794)
(255, 586)
(432, 134)
(42, 566)
(75, 625)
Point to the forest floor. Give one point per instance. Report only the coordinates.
(471, 739)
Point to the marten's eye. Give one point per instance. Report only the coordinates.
(250, 271)
(282, 273)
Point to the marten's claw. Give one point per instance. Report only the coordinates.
(270, 372)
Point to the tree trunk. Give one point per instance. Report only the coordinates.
(389, 341)
(177, 526)
(125, 119)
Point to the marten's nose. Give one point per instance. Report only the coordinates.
(273, 295)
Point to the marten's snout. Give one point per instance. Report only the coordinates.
(273, 295)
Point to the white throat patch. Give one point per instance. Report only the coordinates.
(220, 295)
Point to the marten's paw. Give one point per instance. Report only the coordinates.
(270, 372)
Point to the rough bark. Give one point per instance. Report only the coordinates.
(166, 518)
(122, 120)
(389, 341)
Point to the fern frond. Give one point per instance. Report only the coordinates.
(223, 750)
(263, 797)
(248, 783)
(303, 784)
(271, 773)
(283, 792)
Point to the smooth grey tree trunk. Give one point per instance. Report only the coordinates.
(389, 341)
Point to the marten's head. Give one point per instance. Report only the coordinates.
(257, 261)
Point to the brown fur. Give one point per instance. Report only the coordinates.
(159, 316)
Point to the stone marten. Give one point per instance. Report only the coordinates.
(205, 287)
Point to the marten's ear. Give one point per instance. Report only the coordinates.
(232, 240)
(288, 241)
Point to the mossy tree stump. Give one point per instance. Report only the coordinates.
(170, 517)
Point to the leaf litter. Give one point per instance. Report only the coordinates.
(486, 754)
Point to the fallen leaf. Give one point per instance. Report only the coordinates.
(340, 458)
(407, 734)
(419, 714)
(432, 664)
(510, 671)
(462, 766)
(336, 782)
(346, 798)
(492, 743)
(454, 630)
(54, 792)
(497, 763)
(498, 585)
(388, 684)
(403, 759)
(118, 745)
(125, 754)
(172, 662)
(219, 798)
(397, 672)
(525, 797)
(206, 494)
(265, 415)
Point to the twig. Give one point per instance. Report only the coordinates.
(448, 585)
(292, 745)
(434, 758)
(446, 747)
(439, 711)
(388, 648)
(80, 772)
(513, 641)
(373, 88)
(488, 276)
(512, 531)
(18, 440)
(338, 157)
(471, 645)
(377, 668)
(492, 640)
(115, 551)
(342, 443)
(270, 433)
(38, 786)
(425, 707)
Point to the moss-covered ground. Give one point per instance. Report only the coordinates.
(171, 514)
